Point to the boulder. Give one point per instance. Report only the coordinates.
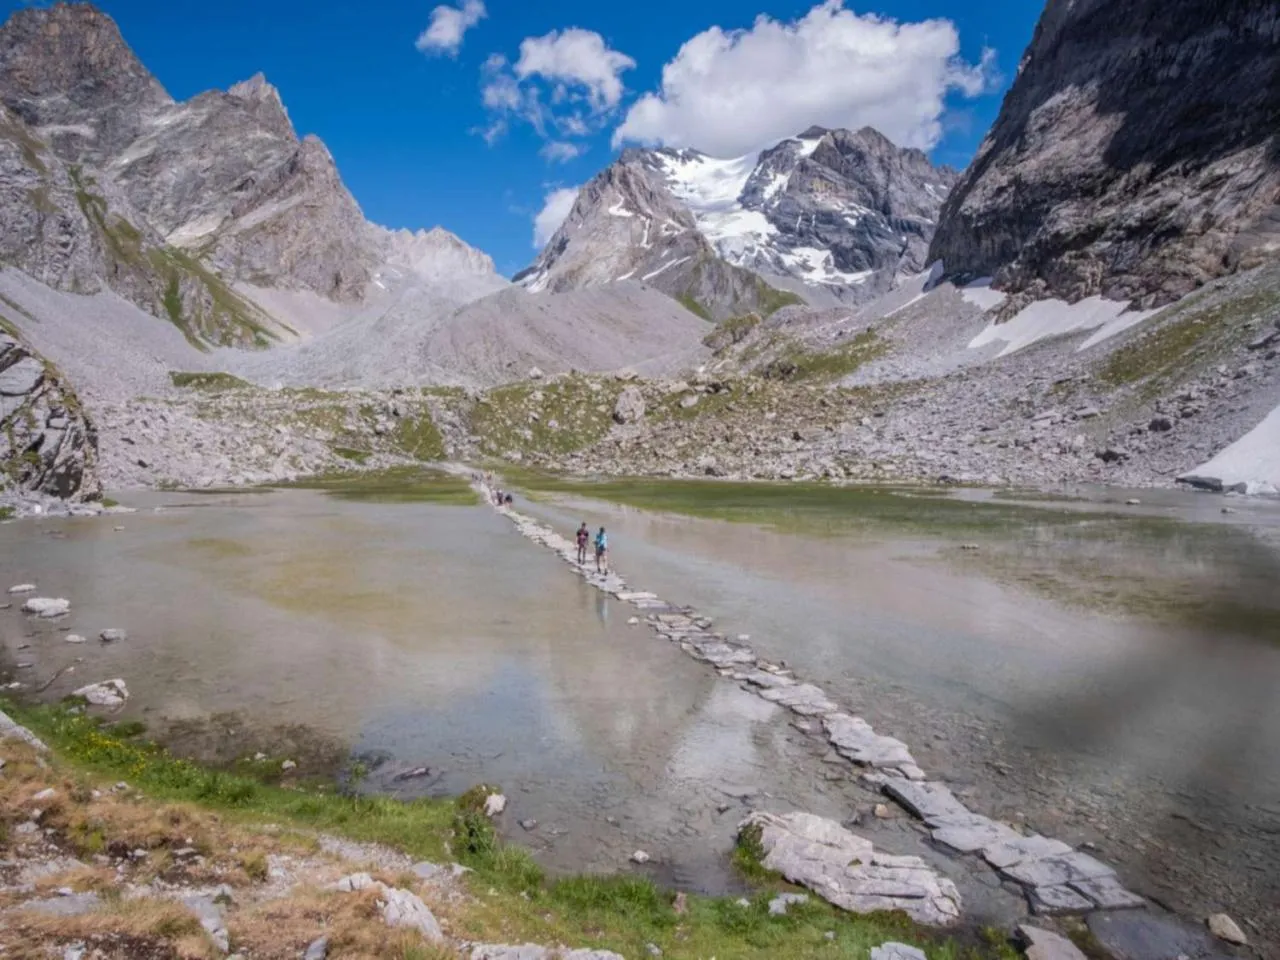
(108, 693)
(1224, 928)
(630, 407)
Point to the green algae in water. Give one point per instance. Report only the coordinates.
(399, 485)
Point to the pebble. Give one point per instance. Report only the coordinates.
(23, 588)
(494, 804)
(113, 636)
(529, 824)
(640, 857)
(318, 949)
(288, 765)
(75, 638)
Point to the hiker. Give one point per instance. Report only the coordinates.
(584, 535)
(602, 552)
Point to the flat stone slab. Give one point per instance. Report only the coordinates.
(1054, 901)
(1056, 871)
(1107, 894)
(854, 739)
(803, 698)
(630, 596)
(1023, 849)
(845, 869)
(1047, 945)
(47, 607)
(977, 834)
(765, 679)
(723, 654)
(925, 799)
(73, 906)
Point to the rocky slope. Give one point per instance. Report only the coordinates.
(47, 445)
(831, 215)
(1135, 156)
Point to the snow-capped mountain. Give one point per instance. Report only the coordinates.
(831, 215)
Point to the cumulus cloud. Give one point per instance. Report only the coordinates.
(562, 151)
(556, 207)
(729, 92)
(565, 84)
(448, 26)
(575, 58)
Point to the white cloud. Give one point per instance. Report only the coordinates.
(575, 57)
(555, 210)
(562, 151)
(449, 25)
(731, 92)
(565, 84)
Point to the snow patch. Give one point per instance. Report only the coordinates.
(1112, 327)
(664, 268)
(705, 184)
(1251, 464)
(808, 146)
(818, 266)
(980, 294)
(618, 210)
(1045, 319)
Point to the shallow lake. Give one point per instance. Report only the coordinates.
(1102, 673)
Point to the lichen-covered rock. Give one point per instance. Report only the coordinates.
(47, 444)
(1134, 156)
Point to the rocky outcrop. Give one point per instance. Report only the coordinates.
(47, 445)
(626, 225)
(1136, 155)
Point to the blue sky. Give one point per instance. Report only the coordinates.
(407, 122)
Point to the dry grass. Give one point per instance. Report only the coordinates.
(282, 929)
(138, 929)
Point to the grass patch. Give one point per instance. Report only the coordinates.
(1196, 335)
(772, 299)
(208, 381)
(797, 364)
(418, 437)
(557, 417)
(355, 456)
(7, 513)
(693, 306)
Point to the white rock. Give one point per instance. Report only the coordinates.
(897, 951)
(402, 908)
(1046, 945)
(23, 588)
(640, 857)
(1224, 928)
(494, 804)
(288, 765)
(108, 693)
(75, 638)
(47, 607)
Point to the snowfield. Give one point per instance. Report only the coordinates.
(1046, 319)
(1250, 465)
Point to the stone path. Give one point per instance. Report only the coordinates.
(1055, 878)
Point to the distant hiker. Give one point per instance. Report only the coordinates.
(584, 535)
(602, 552)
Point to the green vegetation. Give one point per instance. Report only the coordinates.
(398, 485)
(560, 416)
(772, 299)
(7, 513)
(355, 456)
(1192, 339)
(694, 307)
(208, 381)
(418, 437)
(796, 364)
(510, 900)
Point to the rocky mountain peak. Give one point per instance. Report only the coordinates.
(69, 74)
